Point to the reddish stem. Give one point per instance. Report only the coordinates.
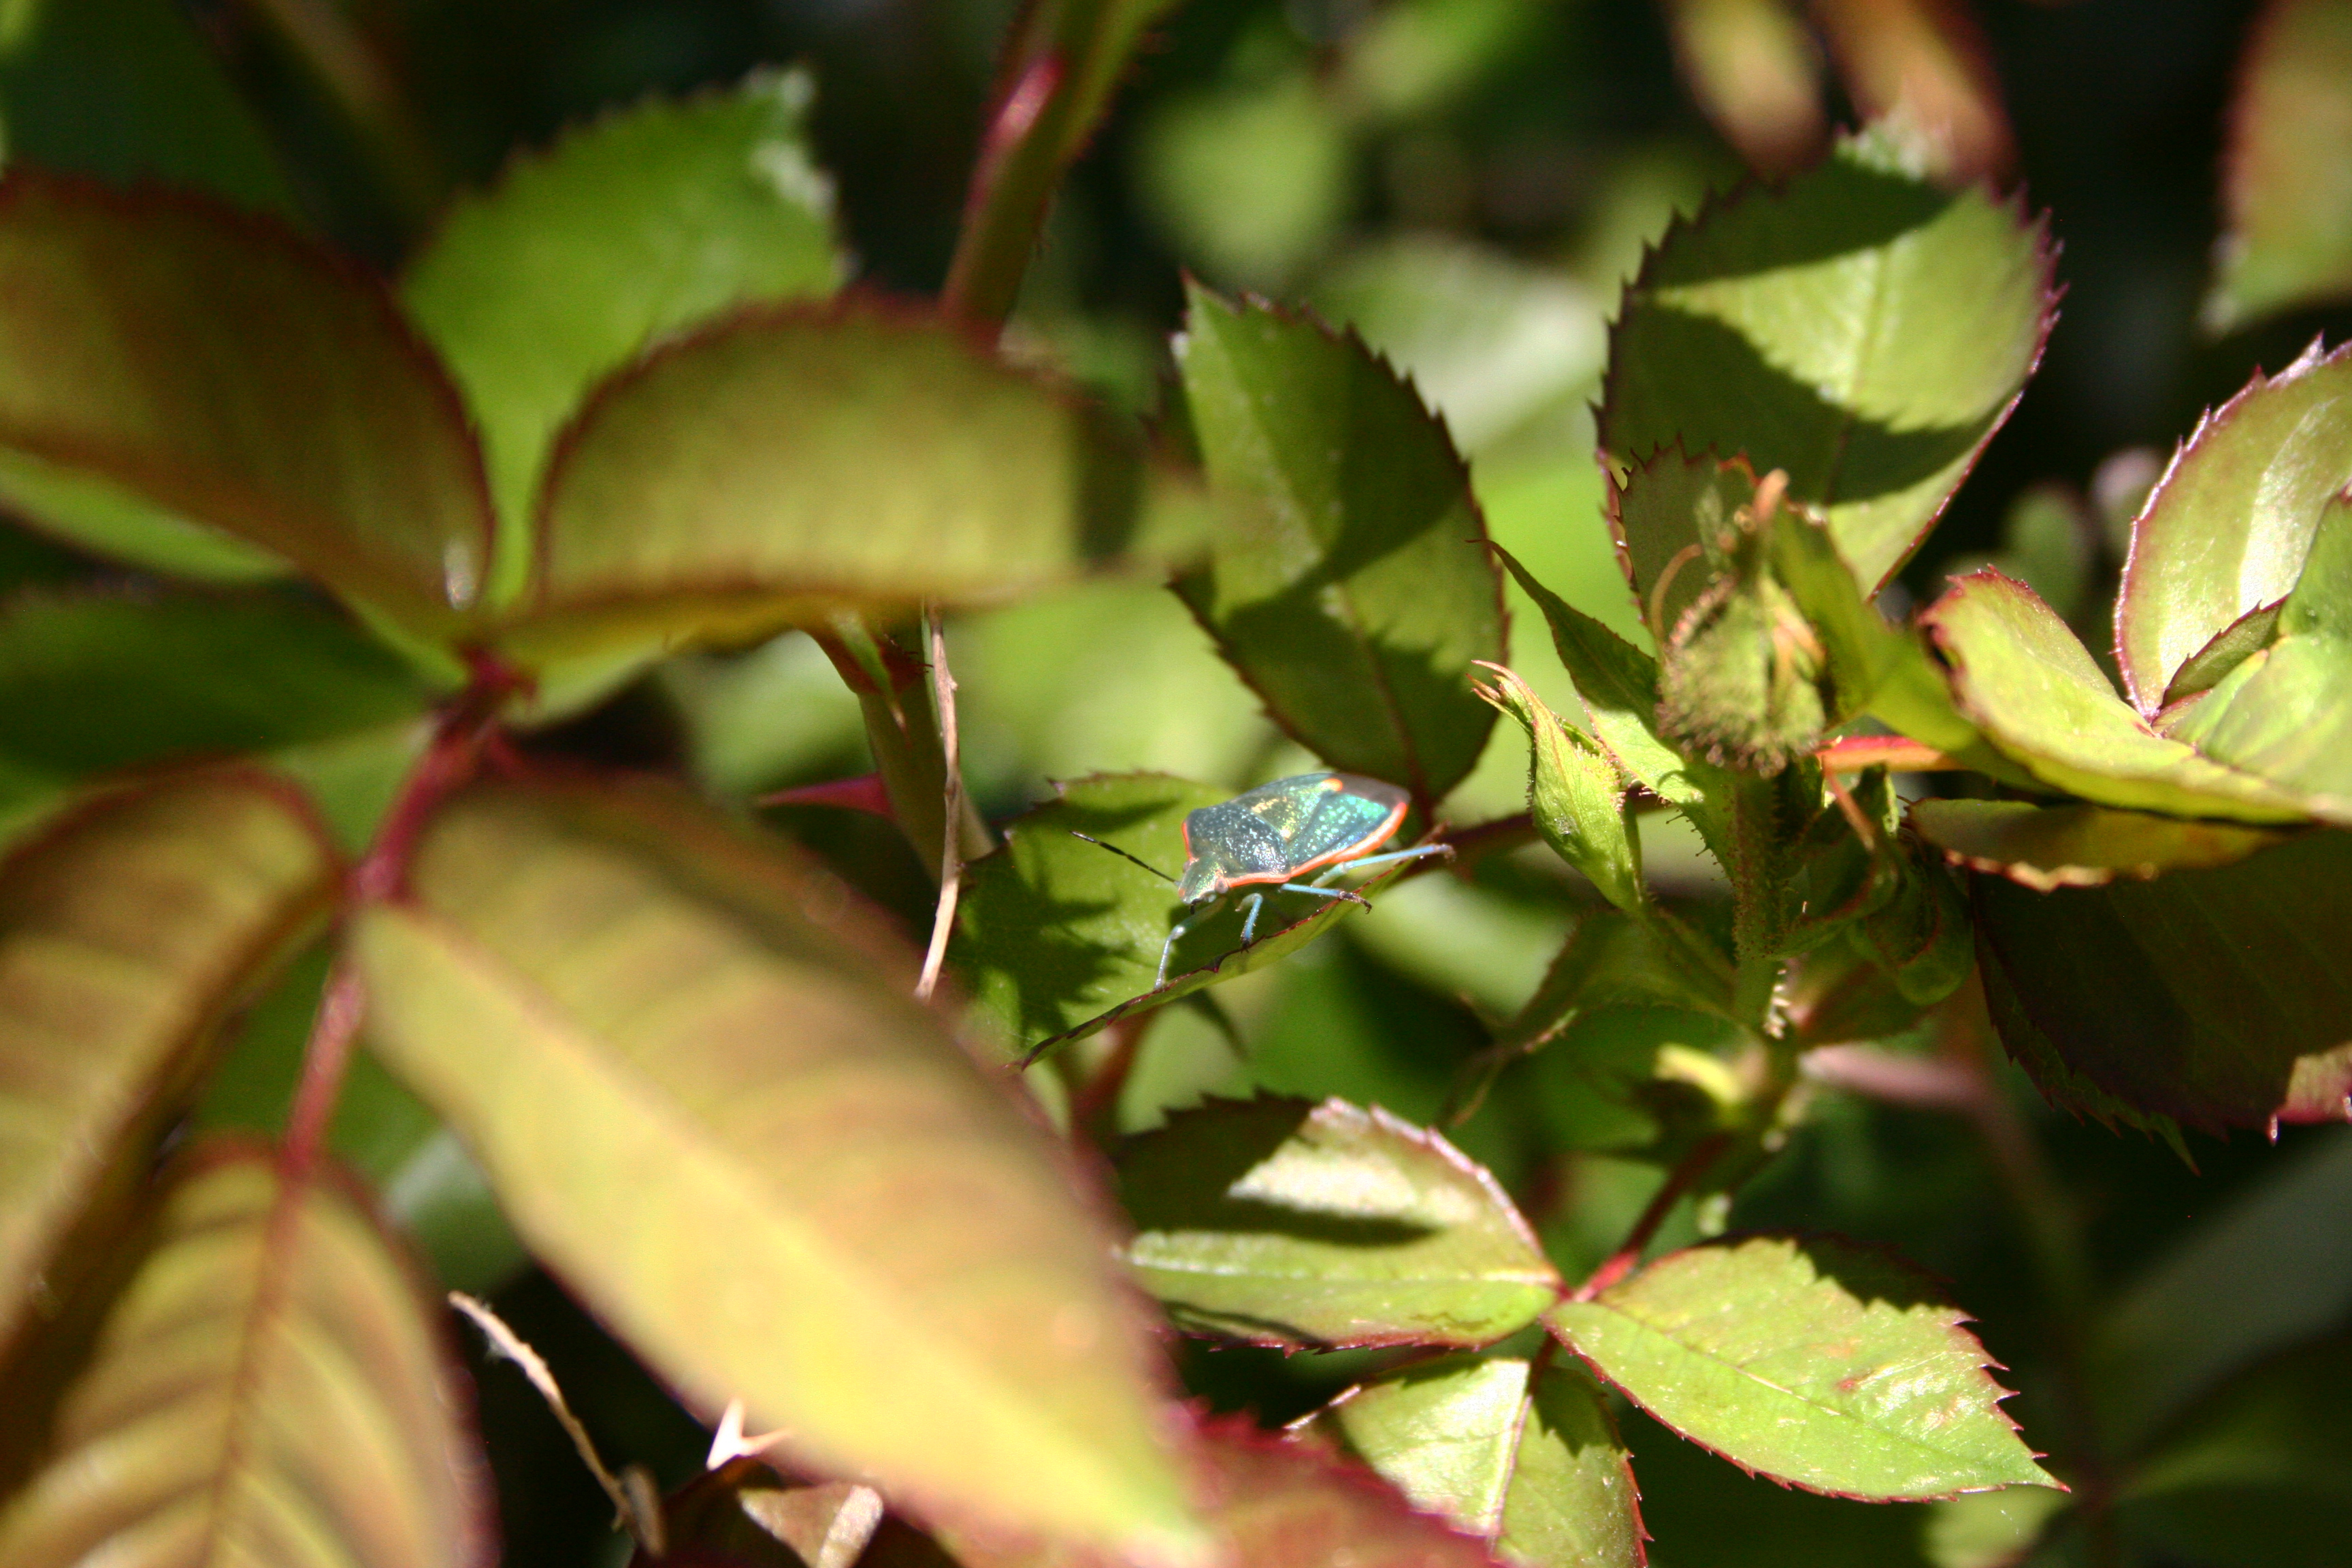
(1679, 1180)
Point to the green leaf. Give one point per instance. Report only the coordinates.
(2227, 529)
(2282, 711)
(130, 928)
(1349, 582)
(2211, 996)
(627, 230)
(1523, 1455)
(2187, 1321)
(1575, 795)
(1057, 938)
(1276, 1504)
(1619, 684)
(2287, 240)
(1287, 1223)
(2254, 1477)
(1859, 326)
(692, 1071)
(2046, 847)
(128, 89)
(95, 680)
(211, 366)
(2034, 691)
(793, 462)
(1815, 1362)
(273, 1386)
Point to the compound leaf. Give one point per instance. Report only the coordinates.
(627, 230)
(128, 929)
(2211, 996)
(1522, 1455)
(2226, 532)
(1288, 1223)
(692, 1068)
(788, 463)
(197, 389)
(1348, 583)
(1815, 1362)
(1860, 328)
(271, 1387)
(2287, 190)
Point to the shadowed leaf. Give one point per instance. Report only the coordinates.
(627, 229)
(1815, 1362)
(271, 1387)
(1522, 1455)
(1858, 328)
(2216, 998)
(97, 681)
(1059, 937)
(1285, 1222)
(728, 485)
(1348, 584)
(2046, 847)
(691, 1070)
(1276, 1504)
(2287, 183)
(180, 384)
(2254, 1478)
(2034, 691)
(128, 929)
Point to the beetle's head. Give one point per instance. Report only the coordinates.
(1203, 879)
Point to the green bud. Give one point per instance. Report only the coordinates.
(1574, 793)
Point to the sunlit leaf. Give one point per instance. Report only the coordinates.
(128, 89)
(271, 1387)
(1860, 328)
(2211, 996)
(95, 680)
(789, 463)
(129, 928)
(1920, 71)
(1276, 1504)
(2035, 692)
(1349, 582)
(693, 1072)
(1286, 1222)
(1814, 1361)
(627, 229)
(2046, 847)
(2288, 239)
(1575, 796)
(1522, 1455)
(2227, 529)
(188, 360)
(1061, 937)
(2253, 1477)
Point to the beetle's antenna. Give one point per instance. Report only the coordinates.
(1117, 851)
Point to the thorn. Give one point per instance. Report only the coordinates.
(728, 1444)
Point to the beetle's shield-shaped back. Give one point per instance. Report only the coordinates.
(1285, 829)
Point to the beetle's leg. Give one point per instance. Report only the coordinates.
(1353, 898)
(1358, 865)
(1165, 950)
(1255, 901)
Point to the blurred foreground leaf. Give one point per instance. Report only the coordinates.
(787, 464)
(181, 384)
(1815, 1362)
(627, 230)
(271, 1387)
(1288, 1223)
(2211, 996)
(1522, 1455)
(1349, 584)
(129, 929)
(695, 1078)
(1860, 328)
(2287, 179)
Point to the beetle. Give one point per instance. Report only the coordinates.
(1323, 821)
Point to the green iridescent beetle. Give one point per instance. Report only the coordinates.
(1271, 835)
